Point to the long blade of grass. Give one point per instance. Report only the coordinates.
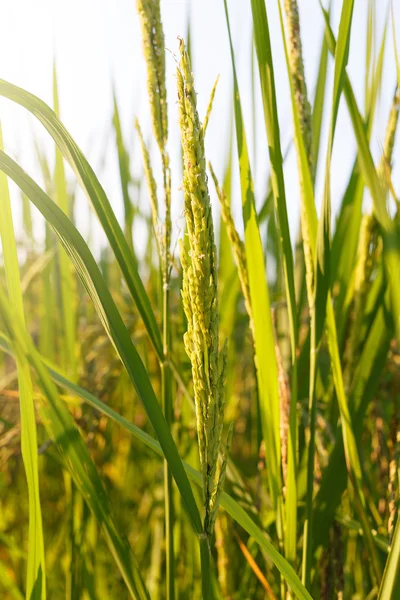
(345, 241)
(36, 573)
(322, 272)
(319, 102)
(91, 185)
(263, 331)
(376, 82)
(96, 287)
(267, 79)
(322, 276)
(390, 586)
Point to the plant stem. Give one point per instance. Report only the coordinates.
(169, 509)
(166, 385)
(206, 587)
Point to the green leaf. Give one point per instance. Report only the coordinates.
(322, 276)
(345, 242)
(390, 586)
(319, 103)
(263, 332)
(376, 82)
(267, 79)
(29, 448)
(36, 593)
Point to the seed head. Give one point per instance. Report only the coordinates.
(154, 53)
(297, 74)
(200, 298)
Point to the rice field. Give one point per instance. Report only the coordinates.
(209, 410)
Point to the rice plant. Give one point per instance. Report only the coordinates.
(211, 411)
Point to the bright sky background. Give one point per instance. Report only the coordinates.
(97, 42)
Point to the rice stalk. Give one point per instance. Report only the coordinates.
(200, 299)
(296, 66)
(154, 53)
(298, 76)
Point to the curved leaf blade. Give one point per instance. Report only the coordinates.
(96, 194)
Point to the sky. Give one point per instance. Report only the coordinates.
(96, 45)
